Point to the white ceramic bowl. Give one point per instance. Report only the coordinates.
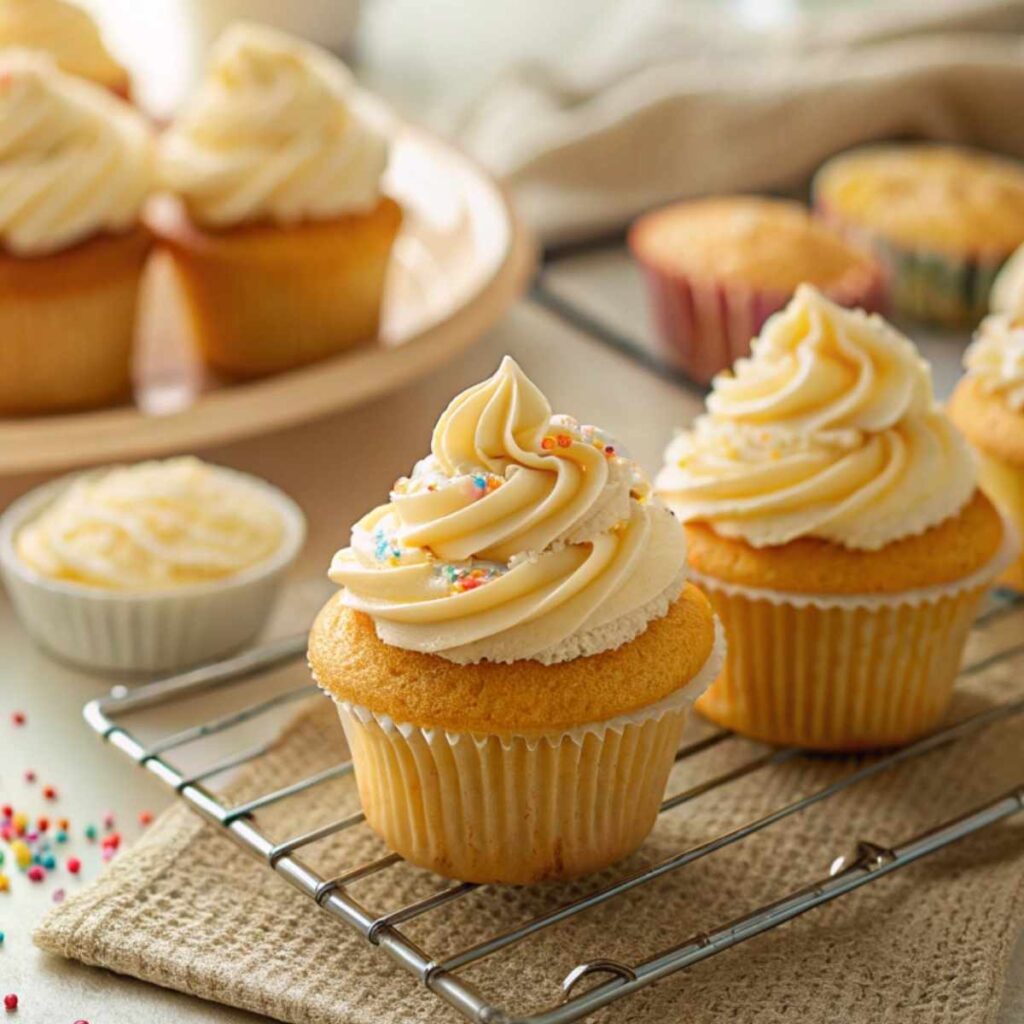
(145, 631)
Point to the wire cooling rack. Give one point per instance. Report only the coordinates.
(608, 979)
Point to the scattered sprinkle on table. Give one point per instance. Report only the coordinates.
(10, 1002)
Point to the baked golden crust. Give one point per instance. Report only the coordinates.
(988, 422)
(948, 552)
(265, 298)
(353, 664)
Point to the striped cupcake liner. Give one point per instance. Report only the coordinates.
(925, 285)
(705, 326)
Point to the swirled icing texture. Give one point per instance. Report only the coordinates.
(74, 160)
(830, 429)
(152, 526)
(995, 359)
(63, 30)
(272, 135)
(521, 536)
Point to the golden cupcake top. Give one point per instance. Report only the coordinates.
(829, 430)
(152, 526)
(66, 32)
(75, 161)
(522, 535)
(935, 197)
(272, 135)
(765, 243)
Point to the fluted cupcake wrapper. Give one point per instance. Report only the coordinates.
(845, 672)
(705, 326)
(519, 808)
(924, 284)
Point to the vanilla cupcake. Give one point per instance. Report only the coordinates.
(76, 165)
(515, 646)
(281, 237)
(988, 406)
(717, 268)
(68, 34)
(942, 220)
(834, 520)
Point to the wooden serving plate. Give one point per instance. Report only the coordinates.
(460, 261)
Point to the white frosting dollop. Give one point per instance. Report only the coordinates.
(830, 429)
(272, 135)
(522, 536)
(152, 526)
(74, 160)
(995, 359)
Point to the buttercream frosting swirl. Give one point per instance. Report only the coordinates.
(521, 536)
(152, 526)
(830, 429)
(74, 160)
(272, 134)
(995, 359)
(63, 30)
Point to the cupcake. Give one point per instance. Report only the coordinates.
(833, 519)
(151, 567)
(988, 406)
(68, 34)
(716, 269)
(76, 165)
(942, 221)
(280, 235)
(515, 646)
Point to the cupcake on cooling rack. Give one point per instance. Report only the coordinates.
(515, 646)
(716, 269)
(280, 236)
(833, 518)
(68, 34)
(942, 221)
(76, 165)
(988, 406)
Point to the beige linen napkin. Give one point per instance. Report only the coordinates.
(668, 100)
(929, 945)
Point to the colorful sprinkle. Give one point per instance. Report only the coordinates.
(36, 873)
(18, 718)
(58, 895)
(5, 883)
(548, 443)
(91, 832)
(50, 792)
(145, 818)
(30, 776)
(61, 836)
(74, 865)
(10, 1002)
(22, 854)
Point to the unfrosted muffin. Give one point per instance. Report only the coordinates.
(988, 406)
(834, 520)
(280, 234)
(76, 165)
(68, 34)
(515, 646)
(942, 220)
(717, 268)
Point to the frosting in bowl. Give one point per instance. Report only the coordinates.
(63, 30)
(74, 160)
(272, 135)
(521, 536)
(152, 526)
(995, 359)
(830, 429)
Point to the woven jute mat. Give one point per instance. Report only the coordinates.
(929, 944)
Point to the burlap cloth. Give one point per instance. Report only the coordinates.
(186, 909)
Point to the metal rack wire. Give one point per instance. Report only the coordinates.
(612, 979)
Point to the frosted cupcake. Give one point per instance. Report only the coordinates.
(515, 646)
(942, 221)
(76, 165)
(281, 236)
(834, 520)
(988, 406)
(717, 268)
(68, 34)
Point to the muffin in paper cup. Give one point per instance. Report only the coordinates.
(834, 520)
(515, 647)
(940, 219)
(148, 568)
(716, 269)
(988, 406)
